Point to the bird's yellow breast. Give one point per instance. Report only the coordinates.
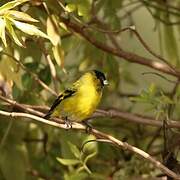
(81, 104)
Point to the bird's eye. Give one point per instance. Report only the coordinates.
(105, 82)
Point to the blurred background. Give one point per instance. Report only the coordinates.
(40, 55)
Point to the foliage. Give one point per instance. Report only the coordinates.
(38, 51)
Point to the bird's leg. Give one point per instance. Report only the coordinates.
(67, 123)
(88, 126)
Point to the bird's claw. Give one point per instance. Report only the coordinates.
(67, 124)
(88, 127)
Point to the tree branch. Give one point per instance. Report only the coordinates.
(131, 57)
(101, 135)
(112, 113)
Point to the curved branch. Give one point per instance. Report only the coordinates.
(131, 57)
(135, 118)
(99, 134)
(112, 113)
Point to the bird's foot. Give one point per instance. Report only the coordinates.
(68, 124)
(88, 127)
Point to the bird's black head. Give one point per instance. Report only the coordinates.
(101, 77)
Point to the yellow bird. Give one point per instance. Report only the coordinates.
(78, 102)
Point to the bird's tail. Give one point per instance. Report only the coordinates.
(48, 115)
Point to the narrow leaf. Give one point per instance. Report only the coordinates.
(74, 150)
(68, 162)
(11, 5)
(21, 16)
(2, 31)
(58, 53)
(52, 32)
(29, 29)
(13, 34)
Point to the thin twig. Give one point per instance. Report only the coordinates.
(51, 66)
(132, 29)
(21, 107)
(171, 81)
(160, 8)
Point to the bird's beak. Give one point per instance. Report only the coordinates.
(105, 82)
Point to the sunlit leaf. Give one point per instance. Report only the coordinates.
(2, 31)
(11, 5)
(82, 11)
(29, 29)
(13, 34)
(52, 32)
(68, 162)
(74, 150)
(58, 53)
(71, 7)
(10, 71)
(84, 8)
(21, 16)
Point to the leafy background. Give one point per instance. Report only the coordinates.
(37, 47)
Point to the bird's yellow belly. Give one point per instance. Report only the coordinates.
(80, 106)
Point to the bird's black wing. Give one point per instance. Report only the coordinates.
(67, 93)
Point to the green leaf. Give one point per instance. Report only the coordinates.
(82, 10)
(11, 5)
(71, 7)
(74, 150)
(2, 31)
(84, 7)
(27, 81)
(21, 16)
(13, 34)
(76, 176)
(90, 147)
(152, 89)
(29, 29)
(68, 162)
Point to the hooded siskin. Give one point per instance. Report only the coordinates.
(78, 102)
